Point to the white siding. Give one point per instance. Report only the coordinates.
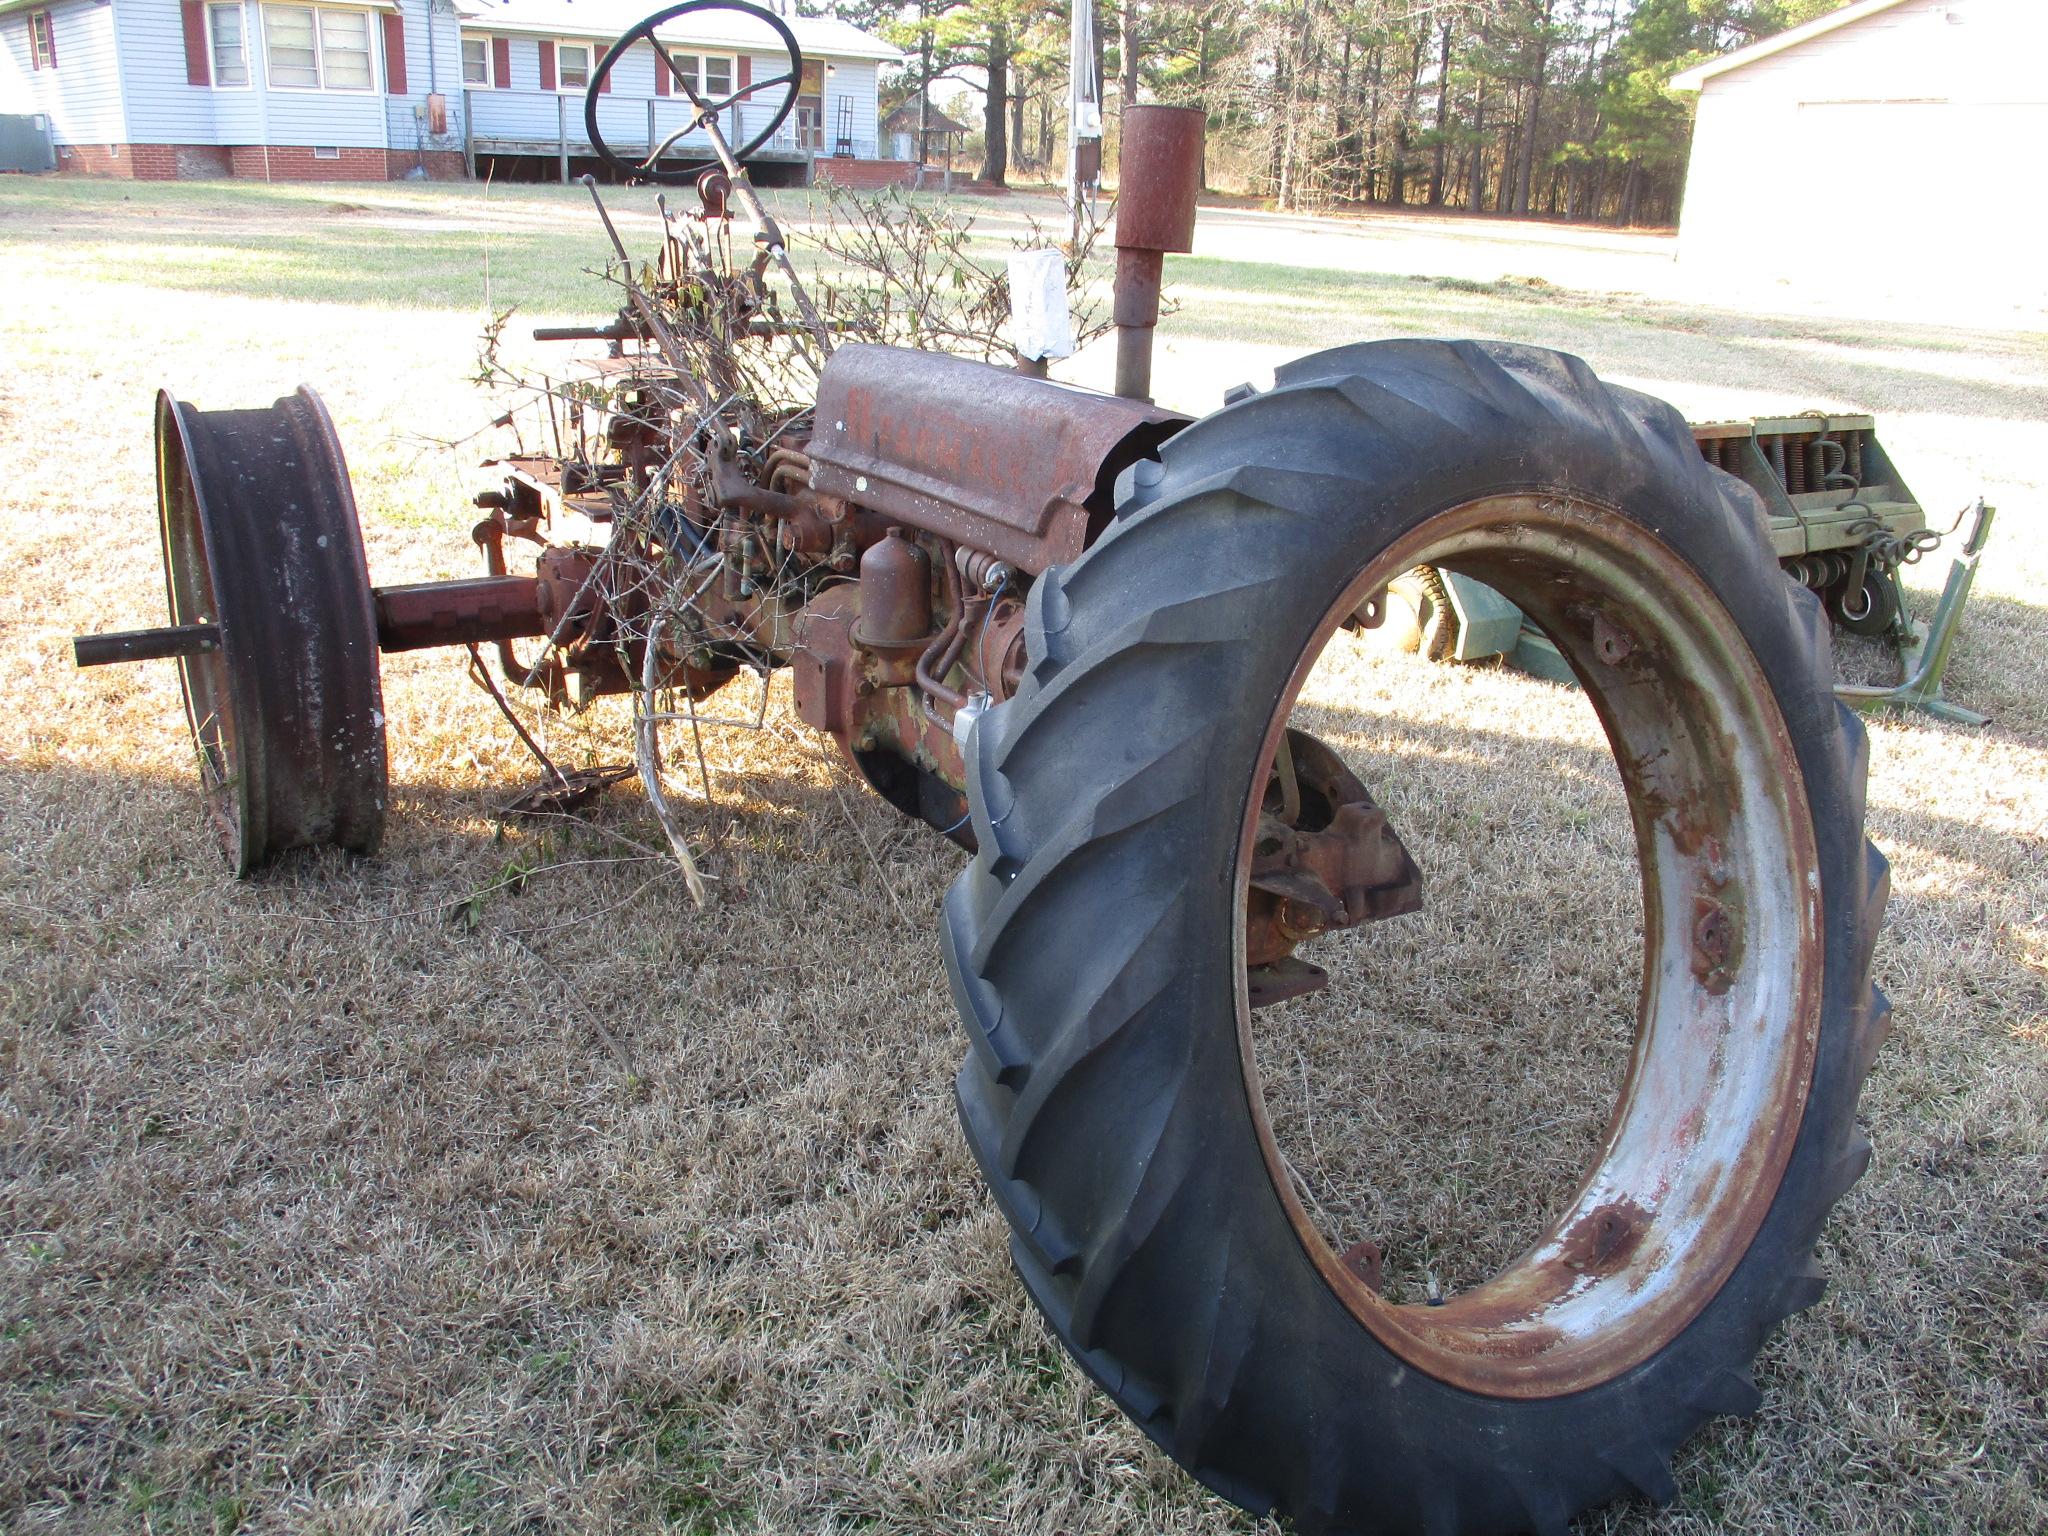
(82, 95)
(851, 80)
(522, 110)
(431, 64)
(1878, 155)
(162, 108)
(343, 119)
(239, 113)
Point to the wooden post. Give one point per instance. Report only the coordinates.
(562, 135)
(651, 139)
(469, 132)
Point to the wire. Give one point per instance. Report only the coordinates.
(981, 650)
(949, 831)
(981, 645)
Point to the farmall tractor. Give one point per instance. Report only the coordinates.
(1068, 630)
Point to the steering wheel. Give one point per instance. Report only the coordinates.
(648, 169)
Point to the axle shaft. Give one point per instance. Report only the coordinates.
(145, 644)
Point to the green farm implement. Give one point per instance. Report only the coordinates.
(1842, 522)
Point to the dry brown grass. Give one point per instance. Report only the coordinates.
(320, 1211)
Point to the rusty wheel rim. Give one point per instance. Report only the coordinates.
(206, 681)
(1727, 1018)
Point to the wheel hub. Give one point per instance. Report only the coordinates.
(1325, 859)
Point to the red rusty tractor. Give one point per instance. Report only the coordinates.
(1068, 629)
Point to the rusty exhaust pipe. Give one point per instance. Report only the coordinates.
(1159, 171)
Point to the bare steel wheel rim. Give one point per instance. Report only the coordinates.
(1727, 1019)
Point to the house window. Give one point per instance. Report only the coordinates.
(476, 61)
(42, 42)
(345, 50)
(230, 57)
(317, 49)
(572, 61)
(709, 75)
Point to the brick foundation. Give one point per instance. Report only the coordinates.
(865, 175)
(442, 164)
(296, 162)
(873, 175)
(281, 162)
(96, 160)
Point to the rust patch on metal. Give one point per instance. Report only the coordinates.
(984, 457)
(1324, 858)
(475, 610)
(1696, 1147)
(1714, 939)
(1365, 1260)
(1603, 1239)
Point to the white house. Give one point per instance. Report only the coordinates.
(526, 63)
(275, 89)
(1887, 146)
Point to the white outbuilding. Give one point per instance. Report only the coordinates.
(1888, 146)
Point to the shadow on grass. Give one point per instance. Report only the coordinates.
(103, 862)
(129, 841)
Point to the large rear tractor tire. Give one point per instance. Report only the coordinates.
(1096, 947)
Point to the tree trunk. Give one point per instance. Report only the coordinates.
(995, 158)
(1475, 182)
(1276, 152)
(1525, 163)
(1372, 128)
(1018, 88)
(1288, 192)
(924, 82)
(1443, 119)
(1343, 149)
(1510, 155)
(1127, 53)
(1283, 199)
(1398, 194)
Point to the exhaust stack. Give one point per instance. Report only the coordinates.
(1159, 171)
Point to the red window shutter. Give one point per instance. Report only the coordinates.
(547, 66)
(198, 63)
(604, 86)
(746, 72)
(501, 63)
(660, 71)
(394, 54)
(50, 37)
